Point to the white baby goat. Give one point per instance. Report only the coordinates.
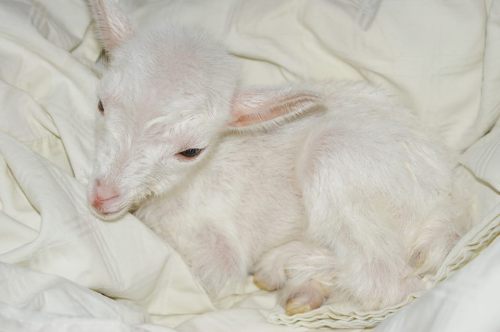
(327, 192)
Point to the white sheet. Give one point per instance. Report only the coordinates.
(437, 56)
(466, 302)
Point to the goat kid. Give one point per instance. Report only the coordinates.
(325, 192)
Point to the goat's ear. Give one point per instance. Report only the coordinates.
(258, 108)
(112, 25)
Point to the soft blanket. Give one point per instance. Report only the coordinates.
(64, 270)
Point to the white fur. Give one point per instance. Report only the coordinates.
(324, 191)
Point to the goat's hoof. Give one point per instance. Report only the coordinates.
(296, 306)
(260, 283)
(306, 297)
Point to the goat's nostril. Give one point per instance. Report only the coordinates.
(97, 203)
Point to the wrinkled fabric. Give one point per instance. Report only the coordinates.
(62, 269)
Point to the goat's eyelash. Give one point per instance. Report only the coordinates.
(190, 154)
(100, 107)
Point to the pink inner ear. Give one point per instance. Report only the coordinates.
(246, 115)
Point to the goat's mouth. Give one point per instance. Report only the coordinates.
(109, 215)
(108, 209)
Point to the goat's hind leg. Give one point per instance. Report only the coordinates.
(353, 212)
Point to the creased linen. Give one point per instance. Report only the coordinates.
(57, 258)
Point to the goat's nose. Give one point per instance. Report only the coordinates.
(103, 193)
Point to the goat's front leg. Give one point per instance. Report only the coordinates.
(215, 259)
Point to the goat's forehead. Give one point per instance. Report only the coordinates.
(170, 58)
(134, 80)
(169, 76)
(151, 93)
(166, 60)
(182, 113)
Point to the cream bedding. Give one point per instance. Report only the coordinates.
(441, 57)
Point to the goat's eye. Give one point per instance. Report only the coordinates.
(100, 107)
(190, 153)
